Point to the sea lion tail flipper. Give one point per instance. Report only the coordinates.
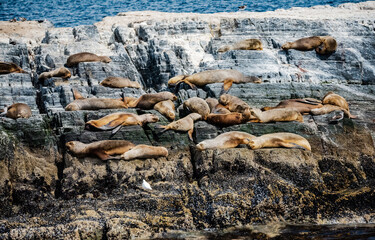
(165, 128)
(291, 145)
(76, 94)
(114, 158)
(190, 133)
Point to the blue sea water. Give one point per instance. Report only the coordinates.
(70, 13)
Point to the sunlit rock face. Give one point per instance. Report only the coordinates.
(47, 192)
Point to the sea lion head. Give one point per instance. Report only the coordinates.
(224, 49)
(171, 114)
(286, 46)
(171, 96)
(75, 146)
(105, 59)
(173, 81)
(253, 144)
(150, 118)
(225, 99)
(201, 146)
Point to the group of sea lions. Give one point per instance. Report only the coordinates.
(225, 111)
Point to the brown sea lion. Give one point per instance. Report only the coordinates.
(60, 72)
(327, 108)
(114, 120)
(235, 104)
(85, 57)
(247, 44)
(216, 107)
(17, 110)
(226, 76)
(226, 140)
(101, 149)
(184, 124)
(81, 103)
(277, 115)
(145, 151)
(166, 108)
(8, 67)
(304, 44)
(197, 105)
(225, 119)
(148, 100)
(335, 99)
(328, 46)
(304, 105)
(119, 82)
(281, 139)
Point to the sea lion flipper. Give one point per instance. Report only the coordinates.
(226, 86)
(190, 133)
(291, 145)
(76, 94)
(103, 156)
(115, 130)
(308, 102)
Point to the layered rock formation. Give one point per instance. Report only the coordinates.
(47, 193)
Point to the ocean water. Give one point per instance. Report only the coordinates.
(66, 13)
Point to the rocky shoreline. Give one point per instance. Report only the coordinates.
(47, 193)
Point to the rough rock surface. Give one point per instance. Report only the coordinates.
(45, 192)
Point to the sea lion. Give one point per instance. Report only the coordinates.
(101, 149)
(247, 44)
(303, 44)
(277, 115)
(235, 104)
(148, 100)
(81, 103)
(114, 120)
(17, 110)
(119, 82)
(9, 67)
(85, 57)
(166, 108)
(144, 151)
(327, 108)
(226, 76)
(183, 124)
(216, 107)
(281, 139)
(226, 140)
(228, 119)
(304, 105)
(335, 99)
(328, 46)
(60, 72)
(197, 105)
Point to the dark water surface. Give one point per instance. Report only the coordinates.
(65, 13)
(289, 232)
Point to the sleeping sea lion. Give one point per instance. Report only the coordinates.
(335, 99)
(145, 151)
(303, 44)
(85, 57)
(114, 120)
(224, 120)
(101, 149)
(119, 82)
(81, 103)
(235, 104)
(327, 108)
(17, 110)
(184, 124)
(226, 76)
(226, 140)
(304, 105)
(166, 108)
(247, 44)
(59, 72)
(9, 67)
(147, 101)
(216, 107)
(197, 105)
(281, 139)
(277, 115)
